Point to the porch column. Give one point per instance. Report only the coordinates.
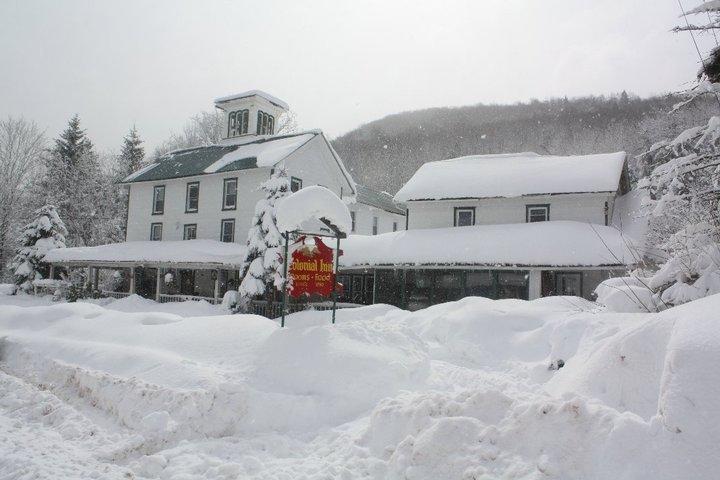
(88, 278)
(52, 271)
(132, 280)
(217, 285)
(158, 284)
(96, 278)
(534, 284)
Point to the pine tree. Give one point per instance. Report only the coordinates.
(132, 154)
(263, 264)
(72, 144)
(85, 196)
(44, 233)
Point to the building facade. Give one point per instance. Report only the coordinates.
(188, 199)
(474, 229)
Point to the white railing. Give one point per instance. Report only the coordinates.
(107, 293)
(165, 298)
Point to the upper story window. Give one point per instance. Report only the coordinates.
(352, 221)
(229, 194)
(156, 232)
(265, 123)
(227, 230)
(238, 122)
(190, 231)
(158, 200)
(464, 216)
(375, 226)
(295, 184)
(192, 197)
(537, 213)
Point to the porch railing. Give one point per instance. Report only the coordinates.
(110, 294)
(274, 309)
(165, 298)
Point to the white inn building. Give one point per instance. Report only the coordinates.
(189, 211)
(499, 226)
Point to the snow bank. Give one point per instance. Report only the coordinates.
(513, 175)
(307, 206)
(459, 390)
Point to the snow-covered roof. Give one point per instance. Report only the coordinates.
(560, 244)
(165, 252)
(513, 175)
(245, 153)
(304, 209)
(251, 93)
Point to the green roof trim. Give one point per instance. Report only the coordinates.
(191, 162)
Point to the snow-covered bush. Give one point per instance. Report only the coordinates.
(627, 294)
(44, 233)
(263, 263)
(682, 201)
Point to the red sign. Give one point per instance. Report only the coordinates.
(311, 270)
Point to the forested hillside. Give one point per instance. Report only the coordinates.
(386, 152)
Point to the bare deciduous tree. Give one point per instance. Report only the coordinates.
(22, 148)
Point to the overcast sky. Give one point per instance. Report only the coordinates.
(337, 63)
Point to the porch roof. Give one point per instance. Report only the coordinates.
(542, 244)
(184, 253)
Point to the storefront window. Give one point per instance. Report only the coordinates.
(512, 284)
(480, 283)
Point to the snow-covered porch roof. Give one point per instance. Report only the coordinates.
(202, 254)
(542, 244)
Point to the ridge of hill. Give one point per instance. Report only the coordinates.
(386, 152)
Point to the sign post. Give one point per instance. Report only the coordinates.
(286, 260)
(334, 293)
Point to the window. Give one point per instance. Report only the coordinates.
(568, 283)
(464, 216)
(537, 213)
(229, 194)
(394, 226)
(352, 221)
(190, 231)
(192, 197)
(158, 200)
(295, 184)
(375, 225)
(156, 232)
(227, 230)
(265, 123)
(238, 123)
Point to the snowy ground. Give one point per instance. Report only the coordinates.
(132, 389)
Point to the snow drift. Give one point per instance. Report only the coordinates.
(460, 390)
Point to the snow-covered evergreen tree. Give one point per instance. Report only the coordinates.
(85, 195)
(44, 233)
(73, 144)
(130, 160)
(132, 154)
(263, 264)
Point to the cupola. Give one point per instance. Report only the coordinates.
(250, 113)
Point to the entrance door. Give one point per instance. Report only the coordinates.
(568, 283)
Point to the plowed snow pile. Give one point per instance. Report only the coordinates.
(457, 391)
